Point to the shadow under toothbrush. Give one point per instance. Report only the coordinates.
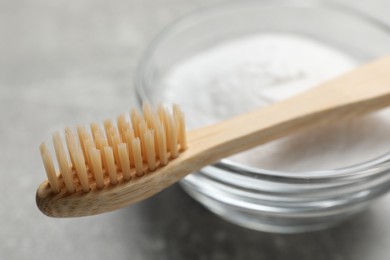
(176, 227)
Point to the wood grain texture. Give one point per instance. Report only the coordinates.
(360, 91)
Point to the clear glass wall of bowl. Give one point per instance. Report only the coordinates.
(258, 198)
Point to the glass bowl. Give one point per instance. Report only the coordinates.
(284, 201)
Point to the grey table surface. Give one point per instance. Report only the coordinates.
(69, 62)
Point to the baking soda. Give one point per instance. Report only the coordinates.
(244, 74)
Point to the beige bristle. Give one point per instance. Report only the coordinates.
(180, 119)
(154, 127)
(164, 118)
(78, 159)
(136, 145)
(72, 163)
(116, 140)
(135, 121)
(88, 144)
(115, 152)
(124, 161)
(101, 142)
(148, 114)
(82, 135)
(97, 166)
(108, 126)
(162, 115)
(63, 163)
(126, 127)
(50, 170)
(142, 129)
(129, 137)
(160, 112)
(86, 141)
(161, 143)
(172, 133)
(98, 135)
(96, 131)
(111, 167)
(149, 149)
(122, 125)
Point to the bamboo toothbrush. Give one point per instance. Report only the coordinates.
(129, 162)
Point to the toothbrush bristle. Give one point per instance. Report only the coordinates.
(123, 151)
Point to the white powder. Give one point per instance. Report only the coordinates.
(248, 73)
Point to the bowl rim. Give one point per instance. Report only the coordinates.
(362, 169)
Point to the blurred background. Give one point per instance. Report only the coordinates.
(69, 62)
